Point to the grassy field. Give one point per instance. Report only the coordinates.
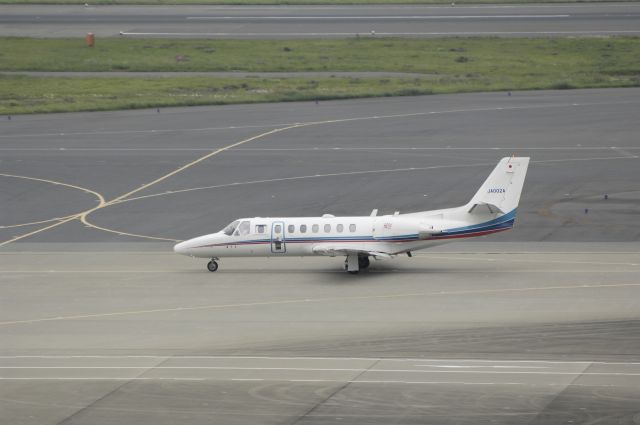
(517, 58)
(448, 65)
(28, 94)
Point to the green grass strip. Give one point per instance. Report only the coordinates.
(33, 94)
(448, 65)
(511, 57)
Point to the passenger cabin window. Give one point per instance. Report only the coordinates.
(339, 228)
(303, 228)
(260, 228)
(244, 228)
(277, 228)
(315, 228)
(291, 228)
(327, 228)
(230, 228)
(352, 228)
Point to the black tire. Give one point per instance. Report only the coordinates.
(363, 262)
(212, 266)
(353, 271)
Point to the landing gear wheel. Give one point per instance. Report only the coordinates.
(351, 264)
(363, 262)
(212, 266)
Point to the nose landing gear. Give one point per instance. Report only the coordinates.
(212, 265)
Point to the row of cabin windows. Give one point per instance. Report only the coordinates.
(315, 228)
(238, 228)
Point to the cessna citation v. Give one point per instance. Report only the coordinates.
(491, 210)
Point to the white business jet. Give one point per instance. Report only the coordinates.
(491, 210)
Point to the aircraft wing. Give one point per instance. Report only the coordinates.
(336, 249)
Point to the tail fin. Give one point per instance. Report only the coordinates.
(500, 193)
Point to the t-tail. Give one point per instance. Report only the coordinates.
(500, 193)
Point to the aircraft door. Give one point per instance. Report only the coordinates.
(278, 244)
(383, 227)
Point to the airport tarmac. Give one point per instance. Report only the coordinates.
(321, 21)
(101, 323)
(119, 335)
(178, 173)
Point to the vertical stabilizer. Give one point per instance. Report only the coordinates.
(500, 193)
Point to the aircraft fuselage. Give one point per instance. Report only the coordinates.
(301, 236)
(492, 209)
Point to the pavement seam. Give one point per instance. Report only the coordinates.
(335, 392)
(559, 393)
(107, 395)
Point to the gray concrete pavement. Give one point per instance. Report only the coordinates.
(320, 21)
(110, 335)
(419, 371)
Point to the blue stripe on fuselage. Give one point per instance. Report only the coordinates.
(504, 221)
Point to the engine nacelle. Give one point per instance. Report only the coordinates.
(427, 230)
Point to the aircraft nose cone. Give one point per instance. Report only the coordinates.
(181, 248)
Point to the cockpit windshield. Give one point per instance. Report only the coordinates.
(230, 228)
(244, 228)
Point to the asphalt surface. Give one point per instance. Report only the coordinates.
(320, 21)
(307, 159)
(101, 323)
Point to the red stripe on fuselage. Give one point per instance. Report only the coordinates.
(471, 235)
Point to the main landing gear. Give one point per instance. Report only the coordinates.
(212, 265)
(355, 262)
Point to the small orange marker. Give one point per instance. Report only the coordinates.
(90, 39)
